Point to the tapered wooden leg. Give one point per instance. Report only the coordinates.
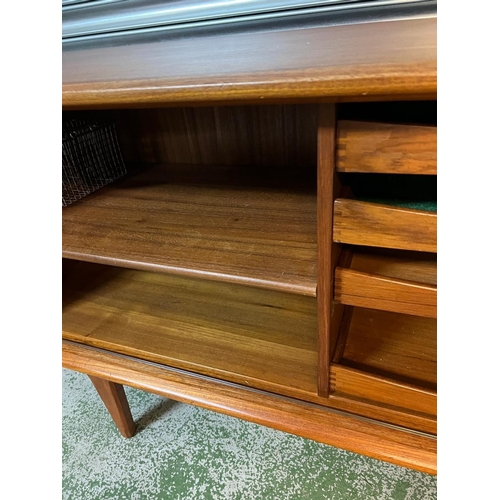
(113, 396)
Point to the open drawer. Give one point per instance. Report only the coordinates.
(387, 359)
(388, 280)
(385, 211)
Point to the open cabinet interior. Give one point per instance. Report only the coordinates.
(204, 256)
(224, 252)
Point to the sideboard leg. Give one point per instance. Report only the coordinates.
(115, 400)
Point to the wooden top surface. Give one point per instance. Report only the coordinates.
(356, 61)
(174, 220)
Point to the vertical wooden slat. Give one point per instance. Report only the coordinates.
(327, 252)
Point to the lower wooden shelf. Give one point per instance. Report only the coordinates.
(340, 429)
(261, 340)
(390, 360)
(258, 338)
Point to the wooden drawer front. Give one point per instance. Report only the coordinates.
(372, 224)
(386, 148)
(356, 288)
(355, 383)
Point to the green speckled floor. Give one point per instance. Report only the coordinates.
(187, 453)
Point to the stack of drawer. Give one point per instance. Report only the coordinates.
(385, 219)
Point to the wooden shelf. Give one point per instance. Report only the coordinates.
(254, 337)
(174, 219)
(386, 148)
(389, 359)
(373, 224)
(403, 282)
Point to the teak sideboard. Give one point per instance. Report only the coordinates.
(271, 254)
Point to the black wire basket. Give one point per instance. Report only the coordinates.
(91, 158)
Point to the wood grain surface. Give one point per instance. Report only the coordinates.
(385, 366)
(355, 288)
(373, 224)
(281, 137)
(391, 280)
(386, 148)
(412, 266)
(399, 347)
(396, 445)
(390, 414)
(380, 390)
(328, 252)
(234, 225)
(255, 337)
(254, 226)
(357, 61)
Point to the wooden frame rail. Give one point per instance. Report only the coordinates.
(356, 434)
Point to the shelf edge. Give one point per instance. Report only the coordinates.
(308, 291)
